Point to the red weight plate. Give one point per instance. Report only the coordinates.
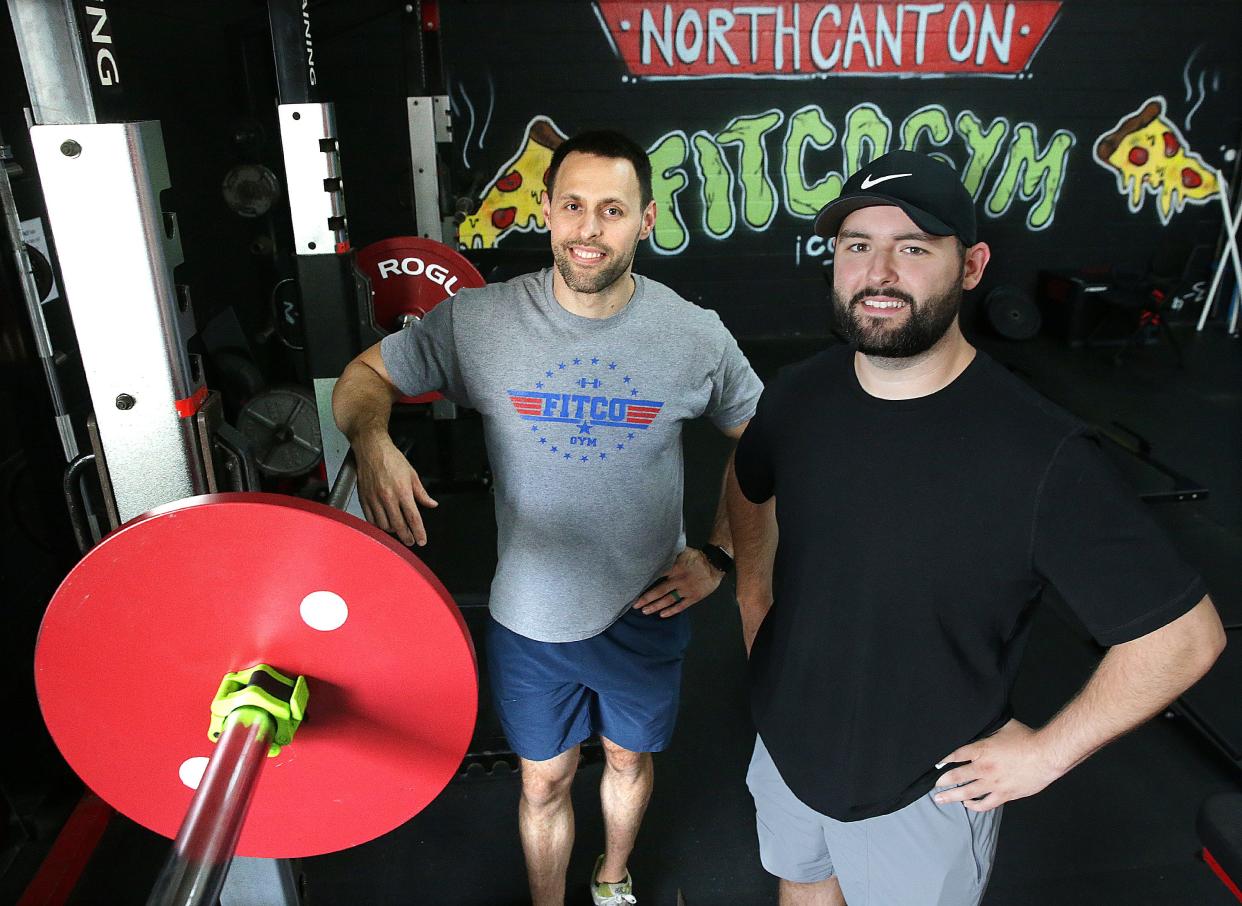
(411, 276)
(138, 636)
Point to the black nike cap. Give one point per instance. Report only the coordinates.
(927, 189)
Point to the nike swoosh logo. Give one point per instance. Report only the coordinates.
(869, 181)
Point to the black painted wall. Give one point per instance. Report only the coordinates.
(205, 72)
(1098, 63)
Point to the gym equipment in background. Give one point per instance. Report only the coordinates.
(409, 277)
(283, 429)
(1012, 313)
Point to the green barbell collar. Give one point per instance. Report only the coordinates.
(269, 690)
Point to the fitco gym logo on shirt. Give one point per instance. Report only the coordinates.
(585, 409)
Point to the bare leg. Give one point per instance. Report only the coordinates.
(546, 824)
(624, 792)
(821, 893)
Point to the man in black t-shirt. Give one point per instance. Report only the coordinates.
(925, 498)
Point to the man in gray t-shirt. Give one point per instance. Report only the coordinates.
(583, 375)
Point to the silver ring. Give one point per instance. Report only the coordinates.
(677, 598)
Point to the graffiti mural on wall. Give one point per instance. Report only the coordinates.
(1088, 135)
(751, 169)
(1001, 163)
(512, 201)
(761, 165)
(1149, 156)
(696, 39)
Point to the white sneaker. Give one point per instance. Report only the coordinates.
(618, 894)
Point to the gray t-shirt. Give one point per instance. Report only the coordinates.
(583, 423)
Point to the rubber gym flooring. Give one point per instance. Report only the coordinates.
(1118, 830)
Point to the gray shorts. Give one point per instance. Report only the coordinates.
(922, 855)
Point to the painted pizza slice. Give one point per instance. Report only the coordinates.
(1149, 155)
(513, 199)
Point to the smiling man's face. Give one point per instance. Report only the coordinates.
(596, 219)
(896, 289)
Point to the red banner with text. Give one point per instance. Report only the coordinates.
(702, 39)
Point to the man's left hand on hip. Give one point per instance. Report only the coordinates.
(690, 579)
(1008, 765)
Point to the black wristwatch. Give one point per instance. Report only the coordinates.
(718, 557)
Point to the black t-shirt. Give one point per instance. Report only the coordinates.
(915, 538)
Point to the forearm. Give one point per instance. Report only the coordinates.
(753, 533)
(721, 534)
(361, 403)
(1134, 682)
(754, 536)
(754, 579)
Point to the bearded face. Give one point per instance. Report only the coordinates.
(592, 266)
(926, 320)
(596, 218)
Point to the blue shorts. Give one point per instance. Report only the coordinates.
(624, 683)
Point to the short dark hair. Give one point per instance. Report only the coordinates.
(605, 143)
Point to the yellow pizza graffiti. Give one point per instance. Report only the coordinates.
(511, 203)
(1150, 157)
